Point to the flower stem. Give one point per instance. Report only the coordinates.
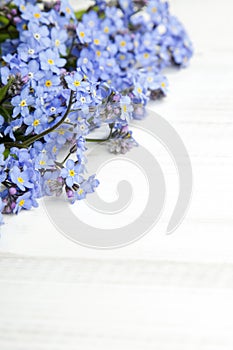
(100, 140)
(28, 142)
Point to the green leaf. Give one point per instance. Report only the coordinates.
(6, 113)
(6, 153)
(4, 89)
(79, 14)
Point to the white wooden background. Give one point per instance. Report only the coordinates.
(163, 292)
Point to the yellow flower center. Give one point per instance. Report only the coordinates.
(139, 90)
(36, 122)
(23, 103)
(80, 191)
(54, 149)
(163, 85)
(50, 61)
(37, 15)
(61, 131)
(106, 30)
(68, 10)
(154, 9)
(82, 34)
(22, 8)
(57, 42)
(123, 43)
(122, 57)
(42, 162)
(20, 180)
(21, 203)
(48, 83)
(76, 83)
(98, 53)
(146, 55)
(96, 41)
(125, 108)
(71, 172)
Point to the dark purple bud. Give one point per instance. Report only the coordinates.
(70, 193)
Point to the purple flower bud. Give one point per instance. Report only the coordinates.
(7, 210)
(13, 205)
(60, 180)
(124, 129)
(70, 193)
(12, 190)
(17, 20)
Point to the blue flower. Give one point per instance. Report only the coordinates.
(32, 13)
(75, 82)
(67, 9)
(32, 72)
(87, 186)
(84, 34)
(50, 61)
(42, 161)
(20, 178)
(58, 39)
(71, 173)
(38, 34)
(21, 103)
(2, 149)
(126, 107)
(50, 82)
(26, 201)
(28, 50)
(124, 43)
(36, 122)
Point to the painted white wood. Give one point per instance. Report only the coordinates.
(163, 292)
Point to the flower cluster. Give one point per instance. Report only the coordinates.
(64, 74)
(127, 44)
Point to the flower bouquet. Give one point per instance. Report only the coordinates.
(66, 73)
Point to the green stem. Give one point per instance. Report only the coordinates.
(44, 133)
(101, 140)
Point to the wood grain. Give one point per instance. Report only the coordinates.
(162, 293)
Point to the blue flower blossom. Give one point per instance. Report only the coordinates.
(2, 149)
(50, 61)
(26, 201)
(58, 40)
(21, 103)
(71, 173)
(20, 178)
(36, 122)
(75, 82)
